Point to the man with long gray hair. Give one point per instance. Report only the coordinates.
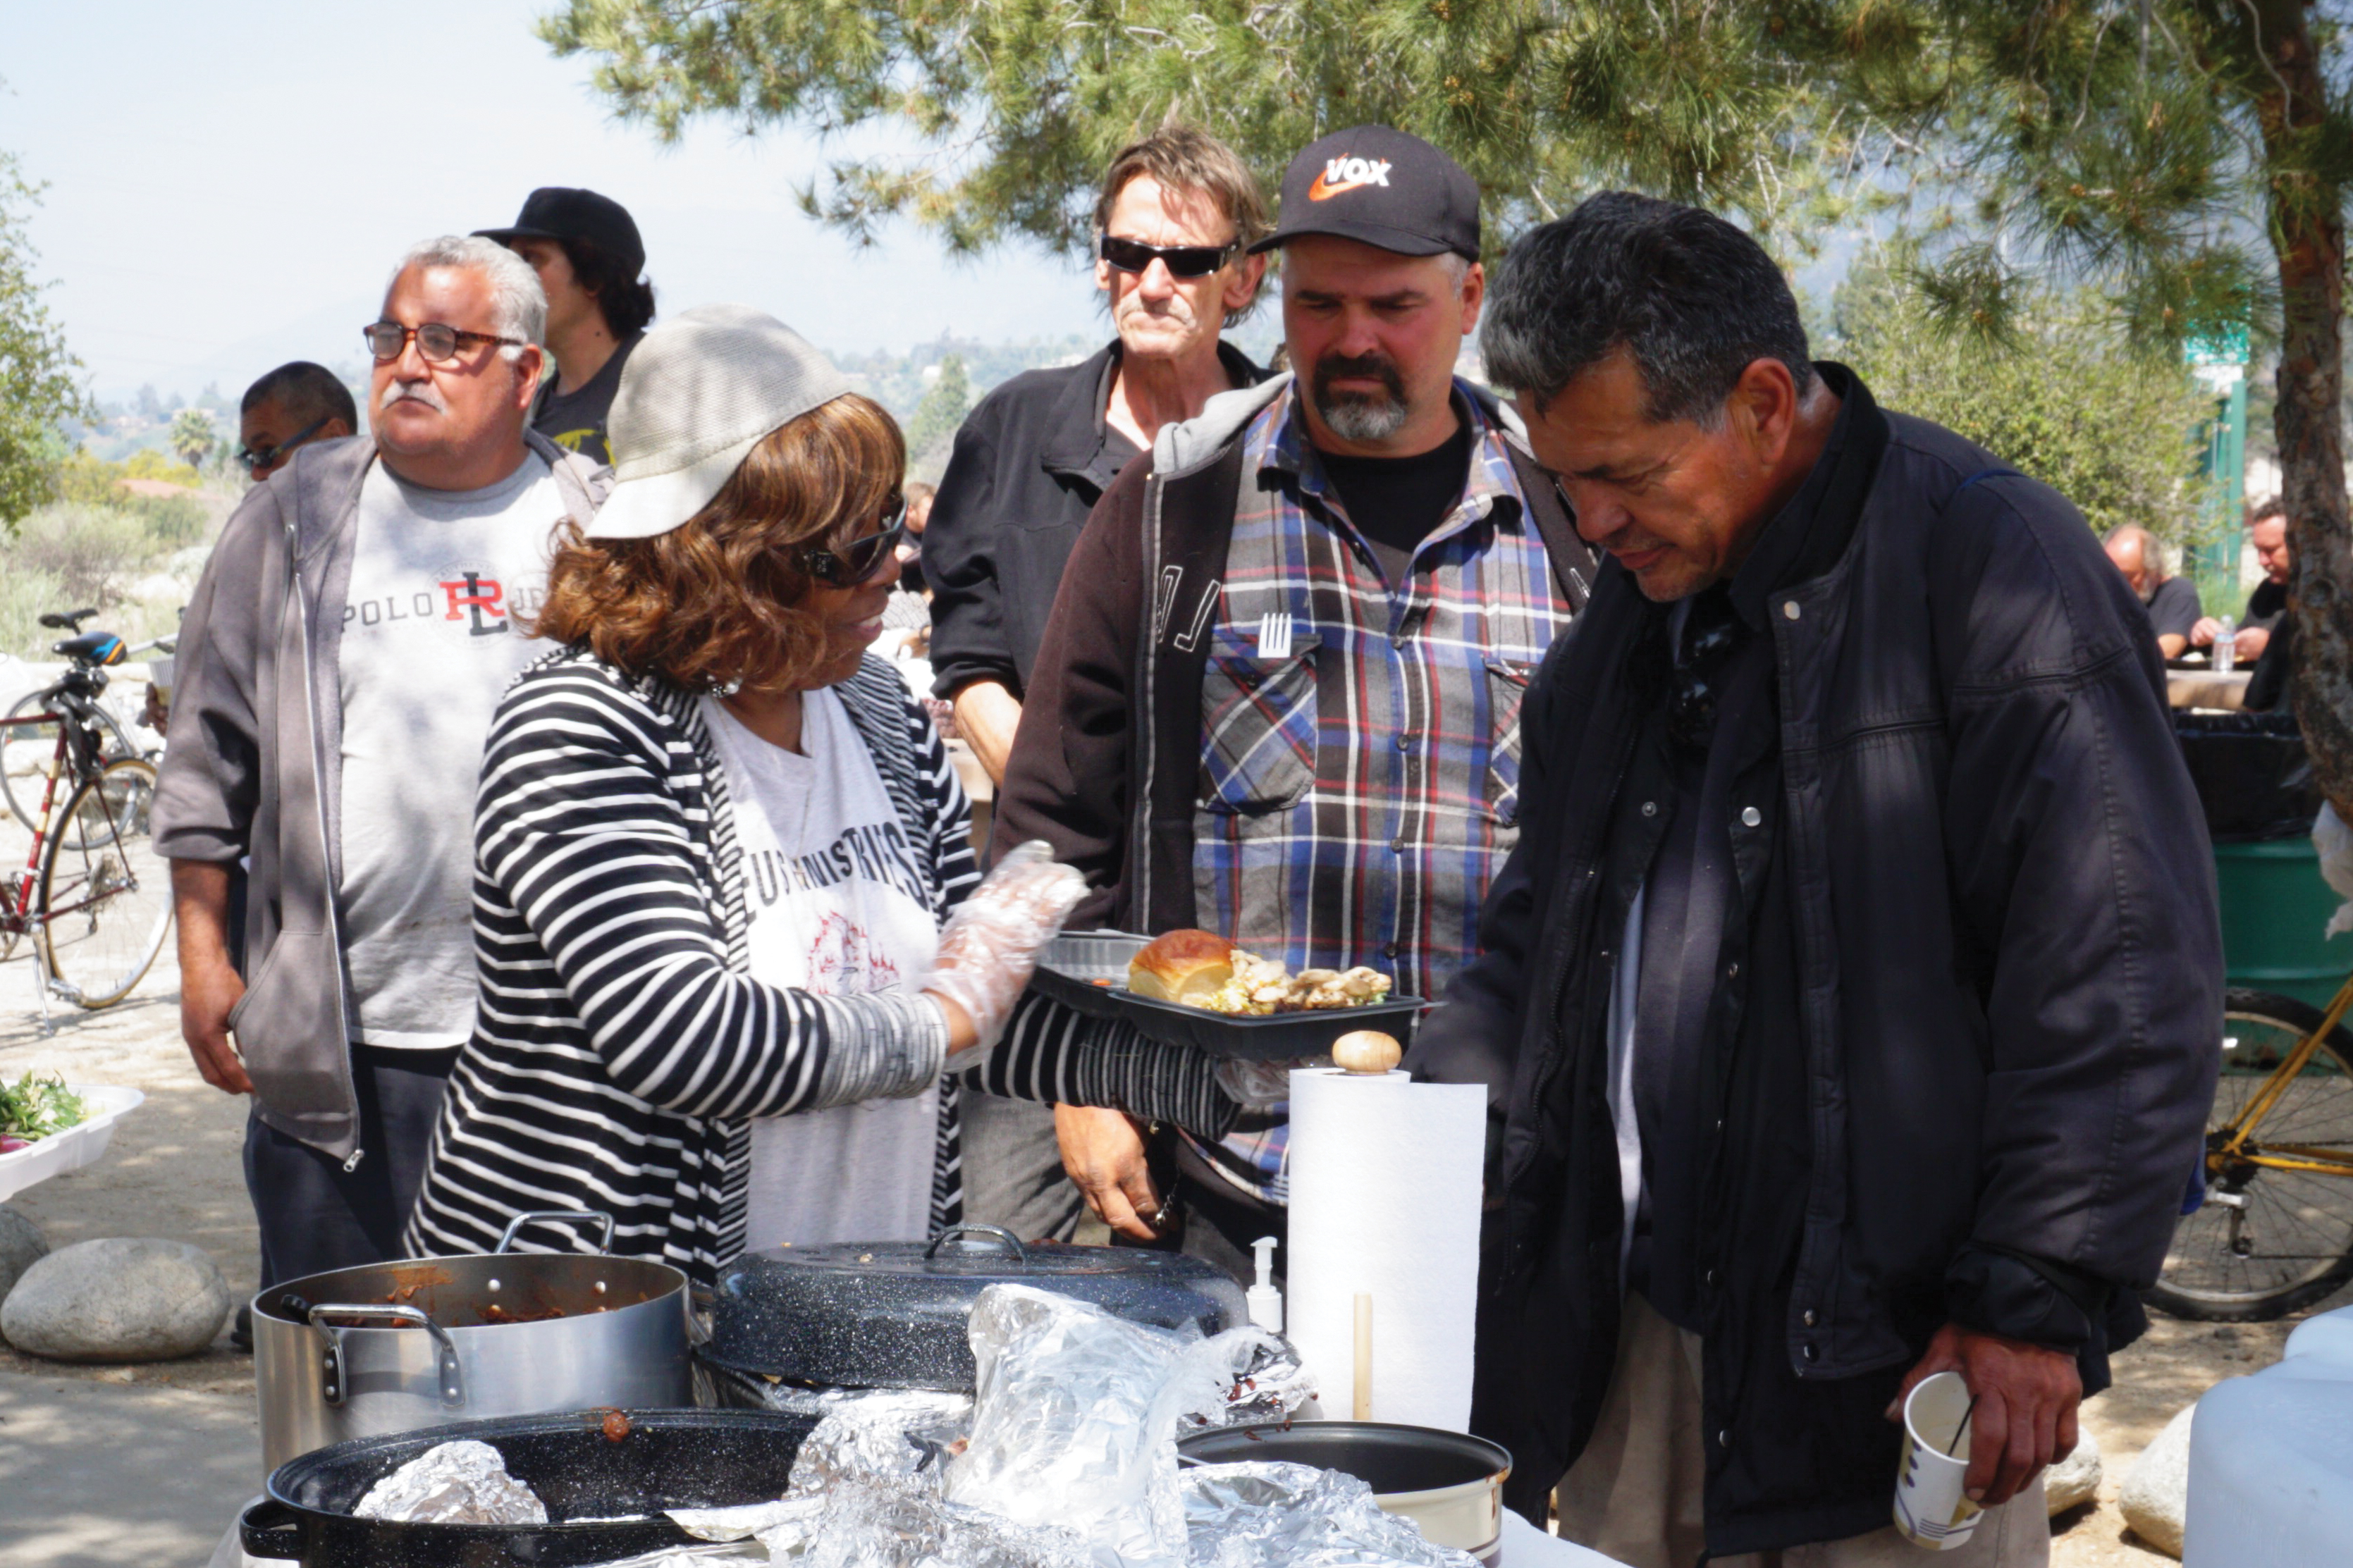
(1849, 1010)
(339, 664)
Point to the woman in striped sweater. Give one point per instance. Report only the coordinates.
(715, 843)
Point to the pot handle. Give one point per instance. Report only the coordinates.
(997, 1233)
(269, 1529)
(335, 1386)
(506, 1237)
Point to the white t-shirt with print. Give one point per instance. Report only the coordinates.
(428, 646)
(837, 907)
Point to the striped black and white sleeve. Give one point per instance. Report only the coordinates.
(575, 826)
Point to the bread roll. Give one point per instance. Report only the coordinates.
(1181, 966)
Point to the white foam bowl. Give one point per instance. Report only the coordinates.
(84, 1143)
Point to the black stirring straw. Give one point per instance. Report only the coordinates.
(1964, 1427)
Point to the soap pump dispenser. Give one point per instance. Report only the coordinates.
(1265, 1301)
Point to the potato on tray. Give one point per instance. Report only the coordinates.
(1201, 969)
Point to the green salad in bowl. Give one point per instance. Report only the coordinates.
(34, 1106)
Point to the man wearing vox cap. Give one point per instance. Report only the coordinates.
(1279, 695)
(586, 249)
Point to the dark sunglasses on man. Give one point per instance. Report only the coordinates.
(258, 457)
(436, 341)
(860, 558)
(1182, 261)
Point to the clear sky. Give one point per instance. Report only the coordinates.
(229, 183)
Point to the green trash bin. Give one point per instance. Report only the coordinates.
(2274, 907)
(2256, 784)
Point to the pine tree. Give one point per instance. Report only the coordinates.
(945, 404)
(2189, 158)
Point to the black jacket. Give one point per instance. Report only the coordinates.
(2010, 967)
(1106, 760)
(1029, 464)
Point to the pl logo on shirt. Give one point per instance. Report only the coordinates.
(471, 594)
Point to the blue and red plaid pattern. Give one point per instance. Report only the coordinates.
(1360, 749)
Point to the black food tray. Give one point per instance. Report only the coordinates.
(1070, 964)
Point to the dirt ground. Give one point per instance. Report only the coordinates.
(173, 1171)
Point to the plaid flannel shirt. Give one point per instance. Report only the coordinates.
(1360, 744)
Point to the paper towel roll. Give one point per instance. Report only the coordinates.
(1383, 1180)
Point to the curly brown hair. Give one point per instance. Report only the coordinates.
(718, 600)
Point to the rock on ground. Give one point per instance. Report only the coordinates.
(22, 1245)
(2076, 1478)
(2156, 1495)
(117, 1300)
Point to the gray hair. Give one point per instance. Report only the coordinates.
(517, 304)
(1692, 300)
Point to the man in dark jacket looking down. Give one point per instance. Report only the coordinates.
(1849, 1007)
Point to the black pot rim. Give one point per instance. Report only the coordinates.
(280, 1485)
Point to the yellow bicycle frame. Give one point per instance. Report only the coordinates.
(2234, 1149)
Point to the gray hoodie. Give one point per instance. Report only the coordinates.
(253, 766)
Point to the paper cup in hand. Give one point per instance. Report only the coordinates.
(1930, 1508)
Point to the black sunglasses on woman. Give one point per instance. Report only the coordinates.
(858, 560)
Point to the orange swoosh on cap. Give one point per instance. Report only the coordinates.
(1320, 191)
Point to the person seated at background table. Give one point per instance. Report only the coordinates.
(713, 845)
(2267, 532)
(2171, 601)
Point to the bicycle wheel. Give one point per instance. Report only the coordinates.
(2267, 1241)
(26, 750)
(104, 902)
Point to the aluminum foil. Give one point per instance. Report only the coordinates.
(465, 1482)
(894, 1433)
(1262, 1515)
(1077, 1417)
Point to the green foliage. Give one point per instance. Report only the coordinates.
(943, 407)
(1019, 104)
(149, 464)
(91, 552)
(2064, 396)
(41, 387)
(192, 437)
(36, 1107)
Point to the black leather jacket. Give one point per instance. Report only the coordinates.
(2010, 976)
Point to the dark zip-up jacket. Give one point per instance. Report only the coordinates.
(1105, 764)
(2009, 968)
(1030, 463)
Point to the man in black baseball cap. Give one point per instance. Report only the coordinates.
(1383, 188)
(586, 249)
(1349, 577)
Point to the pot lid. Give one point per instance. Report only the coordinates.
(891, 1314)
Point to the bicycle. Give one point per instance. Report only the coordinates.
(2274, 1230)
(93, 895)
(24, 722)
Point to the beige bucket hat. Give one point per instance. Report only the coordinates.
(696, 396)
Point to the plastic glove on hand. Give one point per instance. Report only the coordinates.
(990, 943)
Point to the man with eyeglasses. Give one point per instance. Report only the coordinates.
(339, 664)
(296, 404)
(1279, 694)
(1176, 214)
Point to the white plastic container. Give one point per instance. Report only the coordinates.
(82, 1144)
(2271, 1458)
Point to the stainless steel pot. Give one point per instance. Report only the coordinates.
(1449, 1484)
(391, 1347)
